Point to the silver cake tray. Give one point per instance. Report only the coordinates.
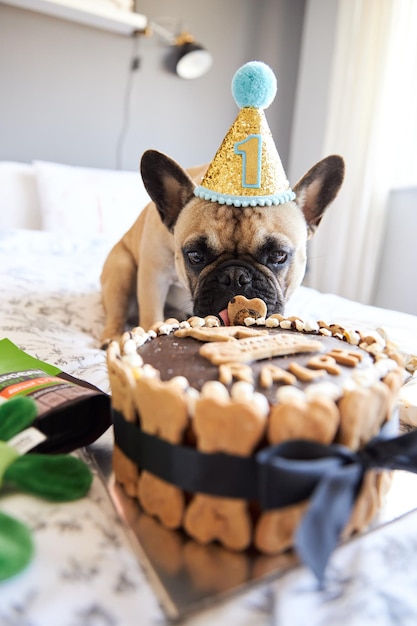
(187, 576)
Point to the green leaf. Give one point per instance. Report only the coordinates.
(16, 546)
(15, 415)
(59, 477)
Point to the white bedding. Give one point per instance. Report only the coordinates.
(51, 304)
(50, 300)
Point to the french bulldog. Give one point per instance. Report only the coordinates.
(212, 251)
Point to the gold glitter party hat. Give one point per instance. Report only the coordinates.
(247, 169)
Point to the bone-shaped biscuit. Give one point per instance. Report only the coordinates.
(170, 419)
(162, 407)
(122, 385)
(394, 381)
(271, 373)
(304, 373)
(373, 402)
(125, 471)
(209, 518)
(317, 419)
(219, 334)
(350, 358)
(258, 347)
(275, 529)
(239, 371)
(325, 362)
(161, 499)
(373, 489)
(240, 308)
(233, 427)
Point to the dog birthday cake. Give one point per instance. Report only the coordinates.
(236, 392)
(239, 425)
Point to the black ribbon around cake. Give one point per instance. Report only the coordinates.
(330, 477)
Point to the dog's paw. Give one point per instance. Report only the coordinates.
(104, 343)
(108, 336)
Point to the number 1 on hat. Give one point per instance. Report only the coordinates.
(251, 151)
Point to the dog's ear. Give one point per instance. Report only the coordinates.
(167, 184)
(318, 188)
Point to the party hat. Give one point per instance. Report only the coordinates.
(247, 169)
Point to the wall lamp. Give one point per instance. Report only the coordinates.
(186, 58)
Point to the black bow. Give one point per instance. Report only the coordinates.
(278, 476)
(331, 477)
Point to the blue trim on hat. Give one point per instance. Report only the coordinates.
(244, 201)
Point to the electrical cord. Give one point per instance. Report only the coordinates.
(135, 63)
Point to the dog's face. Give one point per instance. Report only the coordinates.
(223, 251)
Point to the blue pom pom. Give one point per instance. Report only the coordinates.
(254, 85)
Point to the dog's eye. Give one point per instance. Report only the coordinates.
(277, 257)
(195, 257)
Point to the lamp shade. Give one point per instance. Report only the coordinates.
(190, 60)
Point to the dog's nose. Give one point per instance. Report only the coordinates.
(236, 276)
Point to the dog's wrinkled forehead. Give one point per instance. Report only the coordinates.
(223, 228)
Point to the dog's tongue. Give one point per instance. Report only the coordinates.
(224, 317)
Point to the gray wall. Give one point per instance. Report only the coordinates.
(63, 85)
(396, 273)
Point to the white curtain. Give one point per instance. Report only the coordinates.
(372, 123)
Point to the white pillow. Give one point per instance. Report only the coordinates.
(88, 201)
(19, 203)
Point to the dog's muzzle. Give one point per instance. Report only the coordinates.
(233, 278)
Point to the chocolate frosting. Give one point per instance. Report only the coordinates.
(174, 356)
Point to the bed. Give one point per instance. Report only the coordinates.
(57, 224)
